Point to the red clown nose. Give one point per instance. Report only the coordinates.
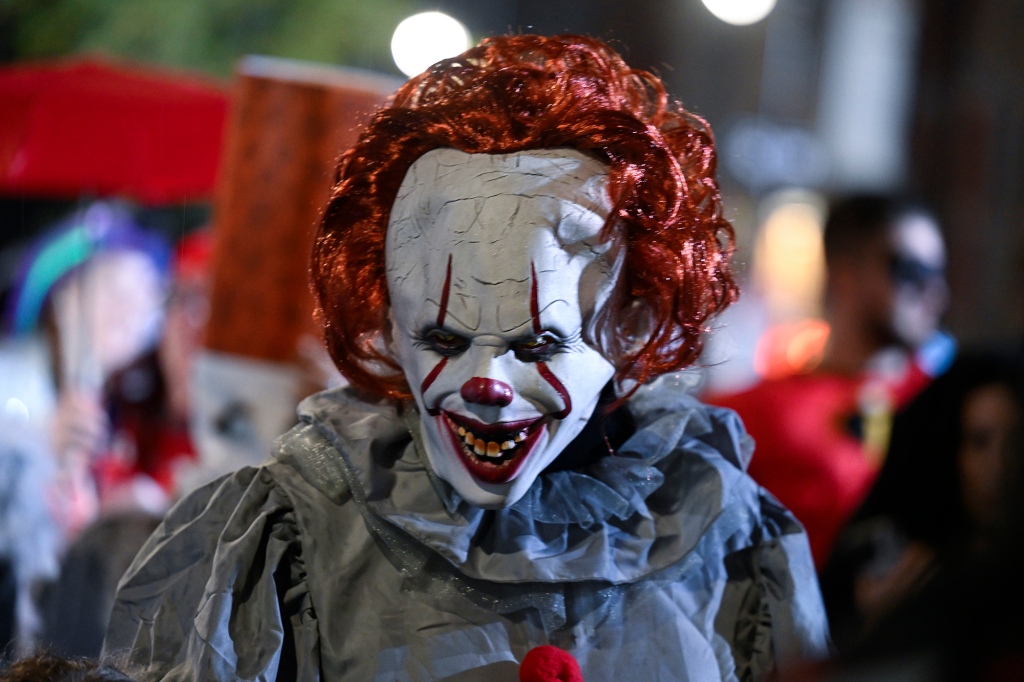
(549, 664)
(486, 392)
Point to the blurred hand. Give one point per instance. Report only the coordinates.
(73, 500)
(876, 595)
(81, 429)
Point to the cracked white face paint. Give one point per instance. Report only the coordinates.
(496, 275)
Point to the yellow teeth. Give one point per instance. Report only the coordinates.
(492, 449)
(487, 448)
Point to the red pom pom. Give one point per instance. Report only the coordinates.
(549, 664)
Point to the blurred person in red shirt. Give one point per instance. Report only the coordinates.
(821, 434)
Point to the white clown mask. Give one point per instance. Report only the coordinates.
(496, 275)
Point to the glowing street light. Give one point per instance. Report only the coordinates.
(426, 38)
(740, 12)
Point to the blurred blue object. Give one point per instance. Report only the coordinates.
(936, 354)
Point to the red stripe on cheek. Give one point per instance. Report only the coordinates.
(534, 308)
(559, 388)
(443, 312)
(541, 367)
(433, 412)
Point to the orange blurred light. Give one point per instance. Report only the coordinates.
(791, 348)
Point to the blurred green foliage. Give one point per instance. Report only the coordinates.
(208, 35)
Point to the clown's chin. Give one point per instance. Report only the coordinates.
(492, 453)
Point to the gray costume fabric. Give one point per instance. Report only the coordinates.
(344, 558)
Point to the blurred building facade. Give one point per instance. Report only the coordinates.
(830, 96)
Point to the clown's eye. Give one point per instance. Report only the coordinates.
(538, 348)
(445, 343)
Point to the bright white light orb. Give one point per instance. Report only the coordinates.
(16, 410)
(426, 38)
(740, 12)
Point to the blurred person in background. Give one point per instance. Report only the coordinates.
(957, 590)
(86, 305)
(77, 605)
(159, 424)
(89, 303)
(235, 406)
(942, 495)
(188, 309)
(821, 435)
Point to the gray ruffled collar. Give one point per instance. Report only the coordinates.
(617, 520)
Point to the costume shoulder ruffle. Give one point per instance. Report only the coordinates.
(213, 562)
(604, 522)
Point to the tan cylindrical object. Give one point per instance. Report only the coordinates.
(290, 122)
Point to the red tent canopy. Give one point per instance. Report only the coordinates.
(97, 128)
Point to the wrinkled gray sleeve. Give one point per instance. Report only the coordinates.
(799, 623)
(219, 590)
(772, 610)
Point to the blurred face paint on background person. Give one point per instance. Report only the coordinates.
(918, 274)
(495, 273)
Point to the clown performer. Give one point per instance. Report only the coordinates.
(519, 253)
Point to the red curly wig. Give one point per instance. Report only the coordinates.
(520, 93)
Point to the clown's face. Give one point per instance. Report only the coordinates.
(496, 275)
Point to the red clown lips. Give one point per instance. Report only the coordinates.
(492, 453)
